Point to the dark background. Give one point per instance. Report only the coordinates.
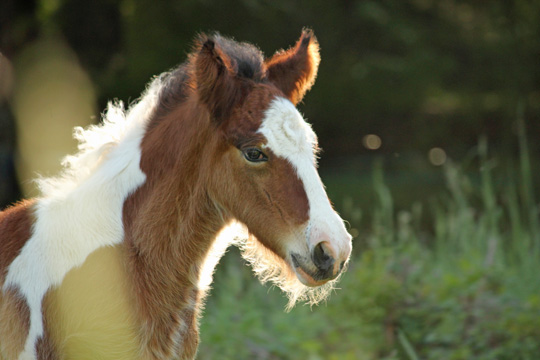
(419, 74)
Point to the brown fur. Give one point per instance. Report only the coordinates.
(15, 230)
(15, 323)
(45, 349)
(168, 223)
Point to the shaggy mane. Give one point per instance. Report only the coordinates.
(102, 141)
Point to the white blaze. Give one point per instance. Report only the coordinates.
(291, 137)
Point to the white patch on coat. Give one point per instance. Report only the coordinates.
(81, 210)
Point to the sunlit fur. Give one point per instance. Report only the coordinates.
(271, 268)
(265, 264)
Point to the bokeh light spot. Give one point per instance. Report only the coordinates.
(372, 142)
(437, 156)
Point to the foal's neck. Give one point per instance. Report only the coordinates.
(170, 225)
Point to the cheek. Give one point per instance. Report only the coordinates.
(237, 187)
(269, 200)
(231, 181)
(249, 202)
(288, 193)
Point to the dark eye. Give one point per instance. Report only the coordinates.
(254, 155)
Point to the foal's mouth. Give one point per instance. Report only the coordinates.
(309, 275)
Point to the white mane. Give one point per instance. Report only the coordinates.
(96, 141)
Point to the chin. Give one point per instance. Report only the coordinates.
(307, 279)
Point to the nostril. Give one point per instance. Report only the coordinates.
(341, 265)
(321, 258)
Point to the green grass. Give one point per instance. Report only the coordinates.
(453, 277)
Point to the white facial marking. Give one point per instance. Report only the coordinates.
(80, 211)
(291, 137)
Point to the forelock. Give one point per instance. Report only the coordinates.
(287, 133)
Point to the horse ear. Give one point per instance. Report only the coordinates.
(294, 71)
(215, 80)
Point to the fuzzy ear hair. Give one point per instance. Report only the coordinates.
(294, 71)
(217, 87)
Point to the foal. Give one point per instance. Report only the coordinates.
(109, 263)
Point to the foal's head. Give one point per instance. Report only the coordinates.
(264, 170)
